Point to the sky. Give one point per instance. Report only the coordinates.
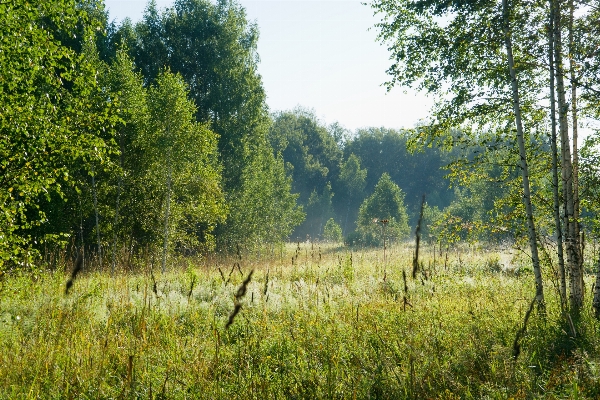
(321, 55)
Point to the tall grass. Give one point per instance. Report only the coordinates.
(326, 325)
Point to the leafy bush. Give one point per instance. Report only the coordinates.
(385, 204)
(332, 231)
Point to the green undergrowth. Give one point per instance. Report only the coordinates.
(314, 323)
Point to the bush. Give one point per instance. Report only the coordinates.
(353, 239)
(386, 203)
(332, 231)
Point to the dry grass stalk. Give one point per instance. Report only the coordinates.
(521, 332)
(238, 296)
(266, 288)
(405, 301)
(130, 370)
(191, 287)
(230, 273)
(78, 267)
(154, 285)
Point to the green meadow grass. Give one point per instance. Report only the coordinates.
(326, 323)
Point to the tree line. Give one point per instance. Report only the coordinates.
(131, 138)
(155, 138)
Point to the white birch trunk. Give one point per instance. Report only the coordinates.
(572, 238)
(539, 294)
(94, 193)
(556, 198)
(166, 229)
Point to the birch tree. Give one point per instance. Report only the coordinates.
(184, 170)
(462, 52)
(466, 54)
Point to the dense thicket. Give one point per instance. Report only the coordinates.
(51, 125)
(213, 47)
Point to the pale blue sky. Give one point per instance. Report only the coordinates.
(319, 54)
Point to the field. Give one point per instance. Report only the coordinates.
(315, 321)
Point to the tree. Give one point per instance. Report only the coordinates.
(390, 151)
(554, 145)
(43, 85)
(332, 231)
(308, 147)
(212, 46)
(312, 157)
(571, 225)
(319, 209)
(386, 203)
(352, 186)
(184, 172)
(126, 197)
(263, 210)
(539, 286)
(493, 58)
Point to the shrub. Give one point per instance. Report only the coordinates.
(332, 231)
(386, 203)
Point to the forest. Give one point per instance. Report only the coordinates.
(137, 147)
(156, 137)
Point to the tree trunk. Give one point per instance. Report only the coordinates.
(539, 286)
(94, 192)
(596, 301)
(572, 238)
(167, 209)
(574, 113)
(116, 221)
(559, 236)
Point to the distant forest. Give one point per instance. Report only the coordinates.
(155, 137)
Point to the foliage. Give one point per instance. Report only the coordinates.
(352, 181)
(433, 224)
(386, 203)
(417, 172)
(128, 198)
(213, 48)
(332, 232)
(590, 182)
(312, 157)
(264, 211)
(309, 148)
(44, 92)
(182, 165)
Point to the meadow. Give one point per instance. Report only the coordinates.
(316, 321)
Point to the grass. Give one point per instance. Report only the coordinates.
(325, 325)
